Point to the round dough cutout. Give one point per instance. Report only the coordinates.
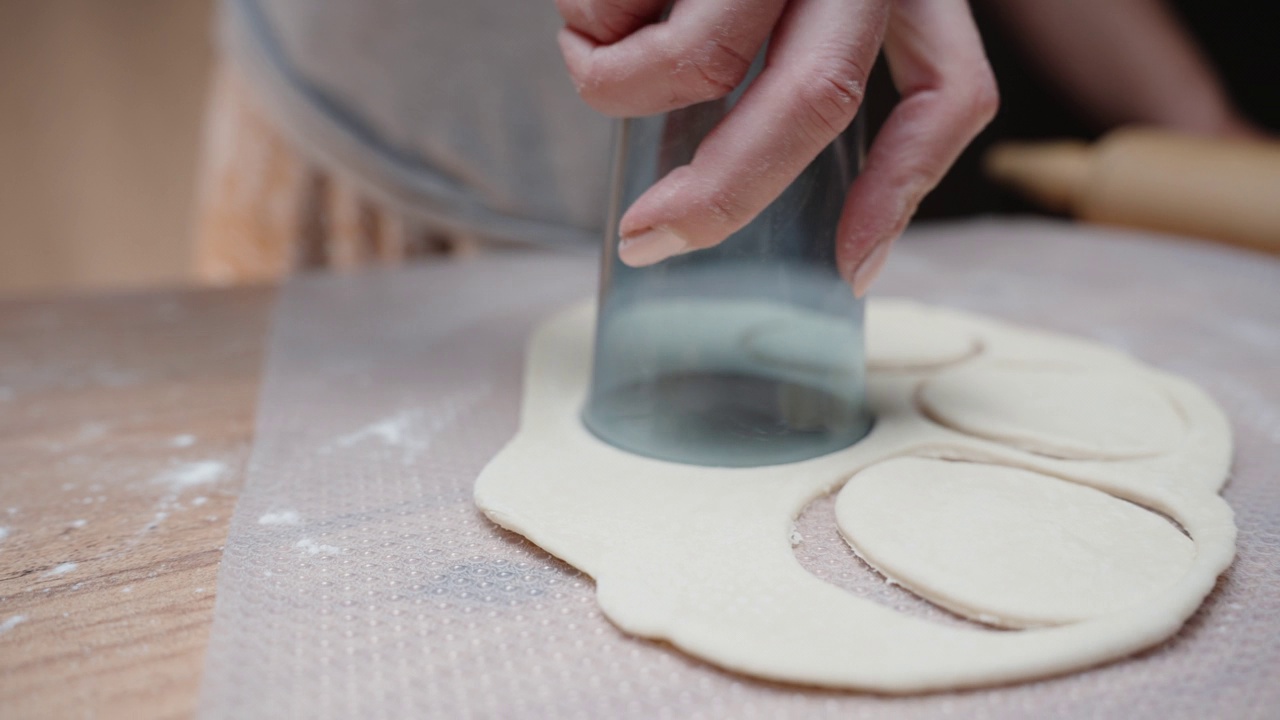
(1006, 546)
(1059, 411)
(907, 336)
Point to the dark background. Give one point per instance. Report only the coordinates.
(1241, 38)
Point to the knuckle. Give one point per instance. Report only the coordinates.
(575, 13)
(604, 21)
(918, 181)
(829, 97)
(726, 207)
(713, 70)
(567, 8)
(976, 98)
(617, 18)
(984, 99)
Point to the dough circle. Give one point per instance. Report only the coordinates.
(700, 557)
(1008, 546)
(1055, 409)
(910, 336)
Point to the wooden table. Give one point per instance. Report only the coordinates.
(125, 426)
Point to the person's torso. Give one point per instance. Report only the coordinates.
(465, 95)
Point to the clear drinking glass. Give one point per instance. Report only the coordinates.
(747, 354)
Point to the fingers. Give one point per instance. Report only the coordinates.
(808, 93)
(701, 52)
(948, 95)
(608, 21)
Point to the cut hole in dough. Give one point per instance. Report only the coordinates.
(826, 554)
(1006, 546)
(907, 336)
(1060, 411)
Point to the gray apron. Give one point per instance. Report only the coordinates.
(454, 113)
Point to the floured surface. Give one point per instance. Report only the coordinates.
(432, 612)
(700, 556)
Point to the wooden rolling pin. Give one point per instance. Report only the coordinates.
(1225, 190)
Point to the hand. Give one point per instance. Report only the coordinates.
(625, 61)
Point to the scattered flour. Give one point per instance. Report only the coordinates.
(283, 517)
(62, 569)
(77, 524)
(4, 533)
(413, 430)
(179, 478)
(396, 430)
(190, 474)
(13, 622)
(181, 441)
(314, 548)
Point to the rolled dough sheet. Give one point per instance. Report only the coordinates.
(1054, 409)
(702, 558)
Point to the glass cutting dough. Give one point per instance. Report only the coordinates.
(701, 557)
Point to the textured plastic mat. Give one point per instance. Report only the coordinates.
(359, 581)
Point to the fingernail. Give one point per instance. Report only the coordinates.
(869, 269)
(650, 247)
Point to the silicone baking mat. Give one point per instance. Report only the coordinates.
(359, 580)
